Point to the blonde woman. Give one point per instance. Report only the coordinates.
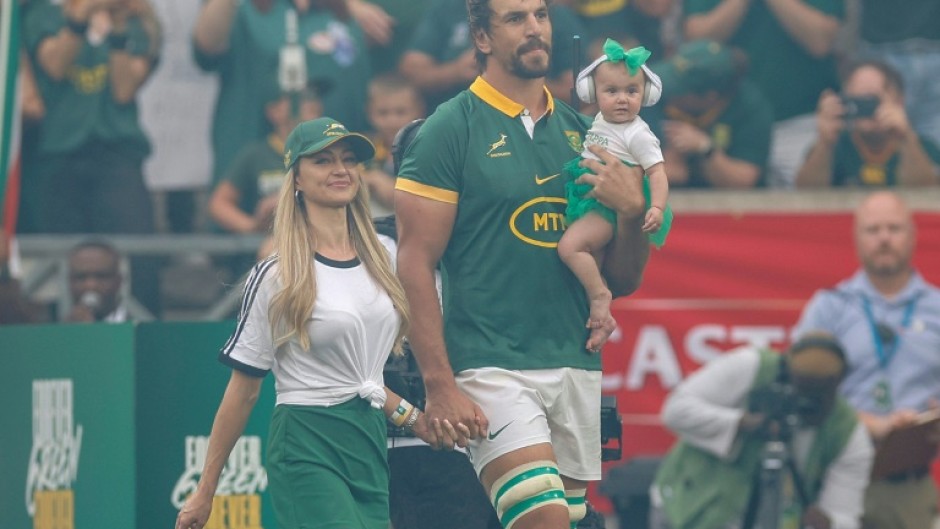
(322, 313)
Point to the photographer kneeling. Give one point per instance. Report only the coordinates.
(728, 414)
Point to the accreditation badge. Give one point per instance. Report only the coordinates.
(882, 394)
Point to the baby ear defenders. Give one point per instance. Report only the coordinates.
(584, 85)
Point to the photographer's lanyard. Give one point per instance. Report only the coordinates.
(885, 349)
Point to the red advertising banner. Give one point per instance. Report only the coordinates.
(720, 282)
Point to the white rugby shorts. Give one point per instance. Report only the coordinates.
(558, 406)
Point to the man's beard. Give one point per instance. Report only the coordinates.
(886, 267)
(519, 68)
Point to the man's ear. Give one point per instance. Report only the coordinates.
(482, 41)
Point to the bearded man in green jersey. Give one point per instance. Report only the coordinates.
(479, 192)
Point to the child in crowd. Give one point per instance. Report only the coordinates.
(620, 83)
(393, 103)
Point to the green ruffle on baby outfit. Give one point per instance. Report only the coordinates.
(579, 204)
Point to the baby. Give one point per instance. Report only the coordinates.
(620, 83)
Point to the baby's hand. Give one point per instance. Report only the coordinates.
(654, 220)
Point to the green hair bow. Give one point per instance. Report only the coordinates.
(633, 58)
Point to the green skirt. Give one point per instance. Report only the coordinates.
(579, 204)
(327, 466)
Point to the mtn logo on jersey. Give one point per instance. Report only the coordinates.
(540, 221)
(495, 147)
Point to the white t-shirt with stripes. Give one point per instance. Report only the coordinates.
(352, 330)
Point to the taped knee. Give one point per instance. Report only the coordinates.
(526, 488)
(577, 508)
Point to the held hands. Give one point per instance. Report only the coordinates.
(450, 419)
(615, 184)
(430, 431)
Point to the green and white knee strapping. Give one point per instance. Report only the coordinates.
(577, 508)
(526, 488)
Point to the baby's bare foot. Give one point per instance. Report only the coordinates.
(601, 322)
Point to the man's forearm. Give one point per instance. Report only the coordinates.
(719, 24)
(57, 54)
(428, 75)
(915, 167)
(809, 27)
(626, 256)
(128, 73)
(722, 170)
(816, 171)
(426, 335)
(214, 26)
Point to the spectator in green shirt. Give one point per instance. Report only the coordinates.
(717, 124)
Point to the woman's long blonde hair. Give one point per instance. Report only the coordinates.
(295, 246)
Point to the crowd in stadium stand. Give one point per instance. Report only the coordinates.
(773, 94)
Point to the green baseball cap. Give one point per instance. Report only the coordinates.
(313, 136)
(698, 66)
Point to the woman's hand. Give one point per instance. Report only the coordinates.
(195, 512)
(440, 434)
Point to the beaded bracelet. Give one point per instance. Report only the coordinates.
(412, 419)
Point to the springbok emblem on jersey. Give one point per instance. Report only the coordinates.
(501, 142)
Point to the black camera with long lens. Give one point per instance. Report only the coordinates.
(782, 405)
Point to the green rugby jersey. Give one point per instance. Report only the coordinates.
(80, 108)
(509, 300)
